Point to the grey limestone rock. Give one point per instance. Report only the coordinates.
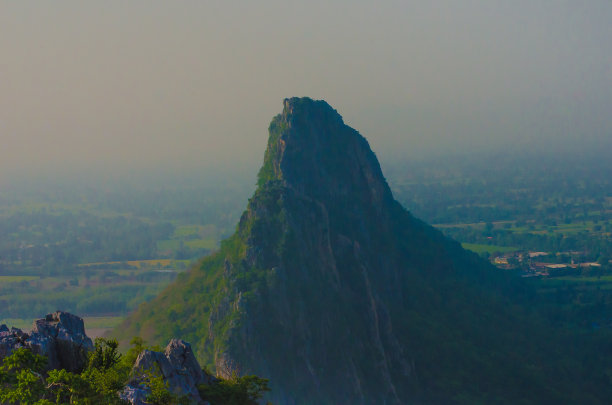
(135, 395)
(59, 336)
(10, 340)
(177, 366)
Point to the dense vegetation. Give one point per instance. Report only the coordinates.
(25, 380)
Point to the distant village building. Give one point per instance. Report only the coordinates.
(500, 260)
(555, 266)
(537, 254)
(591, 264)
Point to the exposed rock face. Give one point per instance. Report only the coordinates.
(176, 365)
(11, 340)
(314, 289)
(325, 223)
(338, 295)
(59, 336)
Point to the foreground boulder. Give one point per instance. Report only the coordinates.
(178, 368)
(59, 336)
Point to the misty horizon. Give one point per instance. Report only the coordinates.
(117, 87)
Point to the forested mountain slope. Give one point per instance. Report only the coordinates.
(331, 289)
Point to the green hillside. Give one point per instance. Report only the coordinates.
(331, 289)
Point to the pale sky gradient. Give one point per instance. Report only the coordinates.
(193, 84)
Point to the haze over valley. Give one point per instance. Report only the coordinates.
(330, 202)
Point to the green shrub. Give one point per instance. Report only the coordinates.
(245, 390)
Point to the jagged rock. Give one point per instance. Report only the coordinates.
(181, 357)
(176, 365)
(4, 328)
(9, 341)
(59, 336)
(135, 395)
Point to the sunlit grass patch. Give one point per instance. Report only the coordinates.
(102, 322)
(17, 279)
(150, 263)
(580, 279)
(168, 245)
(24, 324)
(186, 230)
(481, 248)
(135, 263)
(209, 243)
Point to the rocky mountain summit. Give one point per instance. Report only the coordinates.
(337, 294)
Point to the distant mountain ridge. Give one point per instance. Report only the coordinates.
(331, 289)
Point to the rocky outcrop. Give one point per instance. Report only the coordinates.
(59, 336)
(178, 368)
(11, 340)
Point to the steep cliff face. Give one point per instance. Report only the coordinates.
(337, 294)
(323, 225)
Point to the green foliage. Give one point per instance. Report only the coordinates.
(66, 387)
(97, 384)
(160, 393)
(137, 346)
(267, 171)
(105, 354)
(23, 359)
(245, 390)
(23, 379)
(105, 374)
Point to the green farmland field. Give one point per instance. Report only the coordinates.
(481, 248)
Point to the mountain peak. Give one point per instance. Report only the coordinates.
(312, 151)
(311, 288)
(301, 107)
(331, 289)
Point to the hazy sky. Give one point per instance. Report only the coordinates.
(130, 84)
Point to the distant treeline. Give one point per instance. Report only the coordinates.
(504, 187)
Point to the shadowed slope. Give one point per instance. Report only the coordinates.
(337, 294)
